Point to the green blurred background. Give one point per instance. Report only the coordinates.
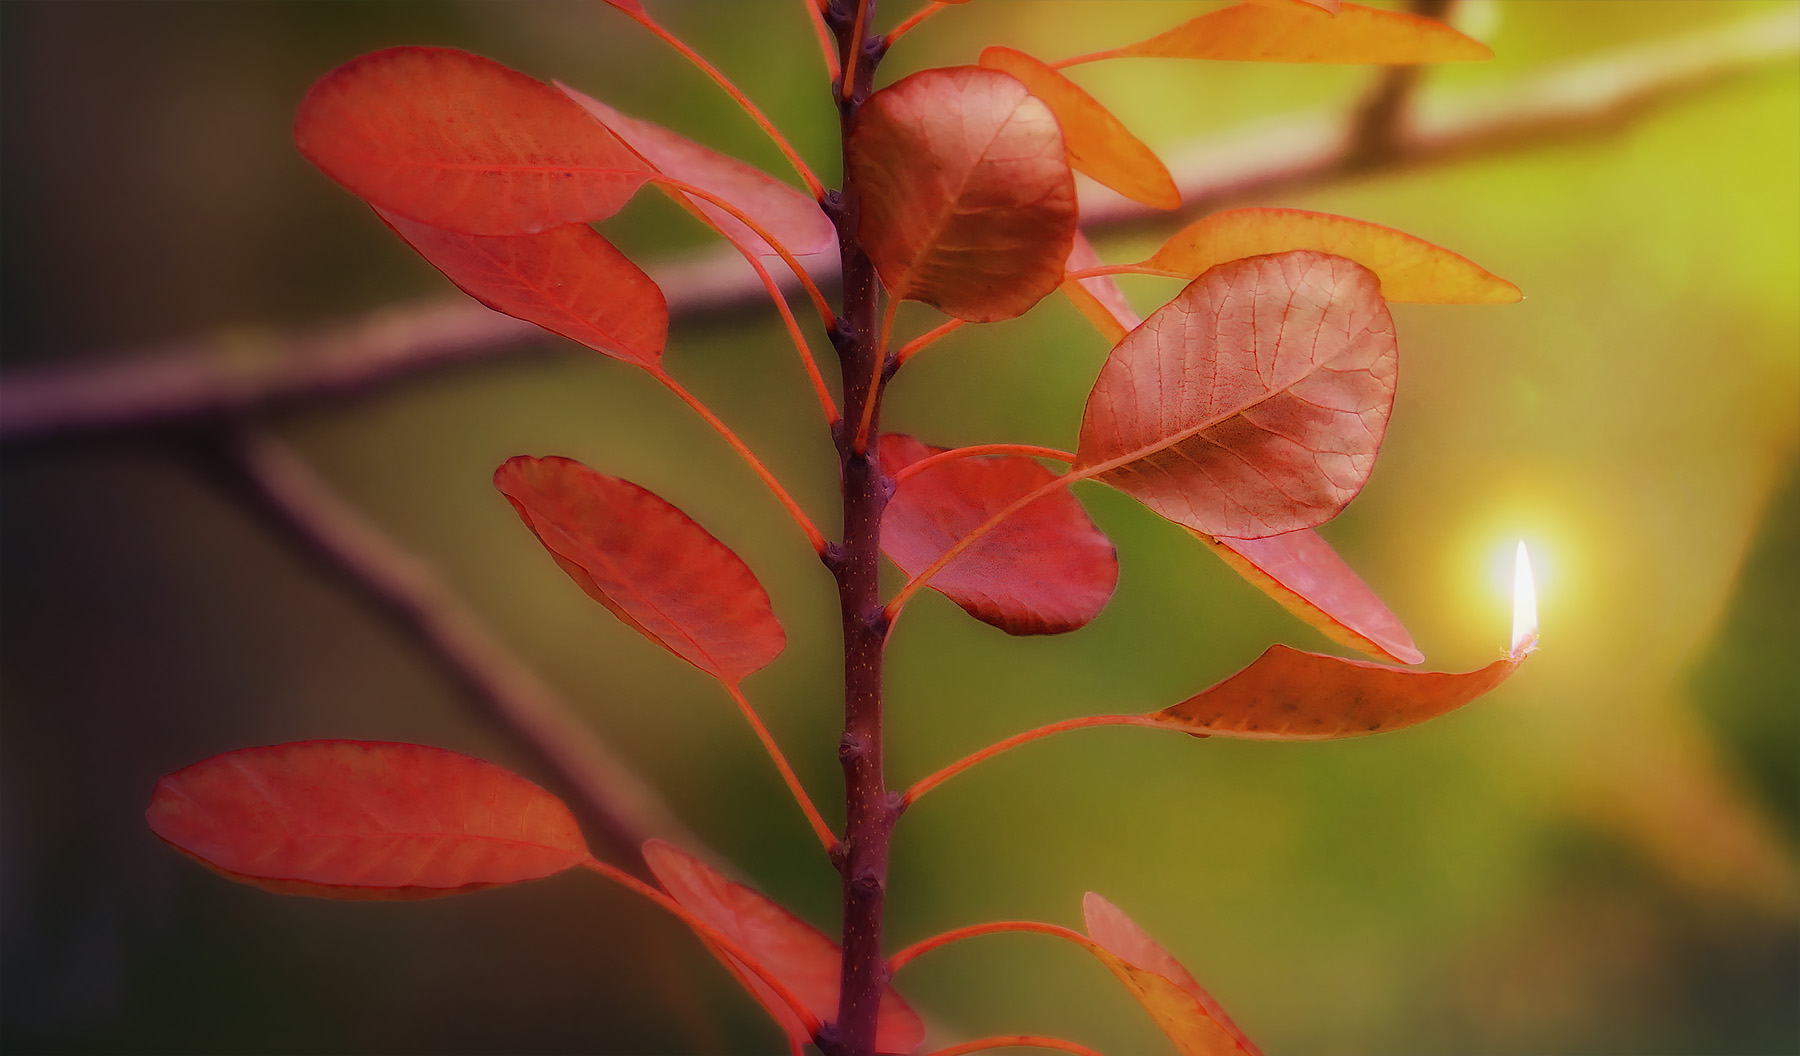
(1600, 857)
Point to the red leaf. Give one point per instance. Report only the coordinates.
(786, 947)
(364, 820)
(568, 280)
(1288, 695)
(648, 563)
(968, 203)
(1410, 269)
(1254, 402)
(1044, 570)
(792, 217)
(463, 143)
(1302, 572)
(1099, 299)
(1302, 31)
(1180, 1006)
(1098, 143)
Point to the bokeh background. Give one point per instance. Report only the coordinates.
(1600, 857)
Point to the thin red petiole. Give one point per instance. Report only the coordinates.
(978, 450)
(815, 14)
(811, 365)
(911, 953)
(1017, 1041)
(710, 934)
(906, 27)
(918, 344)
(812, 532)
(1092, 56)
(813, 187)
(847, 83)
(826, 836)
(805, 280)
(1122, 269)
(868, 416)
(925, 785)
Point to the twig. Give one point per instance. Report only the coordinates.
(613, 802)
(218, 376)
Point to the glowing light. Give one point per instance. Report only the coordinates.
(1525, 618)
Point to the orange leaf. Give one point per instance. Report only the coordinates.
(364, 820)
(1288, 695)
(463, 143)
(1410, 269)
(1099, 299)
(1298, 31)
(1254, 402)
(1302, 572)
(1044, 570)
(1329, 6)
(968, 203)
(648, 563)
(1098, 143)
(786, 947)
(1178, 1004)
(792, 217)
(568, 280)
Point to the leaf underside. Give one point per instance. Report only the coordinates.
(1179, 1005)
(1099, 299)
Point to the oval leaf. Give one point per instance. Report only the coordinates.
(364, 820)
(792, 217)
(1099, 299)
(786, 947)
(568, 280)
(1410, 269)
(967, 200)
(1288, 695)
(1299, 31)
(1254, 402)
(1302, 572)
(1044, 570)
(1178, 1004)
(463, 143)
(648, 563)
(1098, 143)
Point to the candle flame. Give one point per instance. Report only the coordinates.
(1525, 618)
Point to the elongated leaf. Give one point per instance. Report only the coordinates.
(1178, 1004)
(792, 217)
(568, 280)
(1410, 269)
(1254, 402)
(789, 949)
(1098, 143)
(1099, 299)
(1302, 572)
(648, 563)
(463, 143)
(364, 820)
(1288, 695)
(968, 203)
(1299, 31)
(1044, 570)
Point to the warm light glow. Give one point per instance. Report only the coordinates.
(1525, 618)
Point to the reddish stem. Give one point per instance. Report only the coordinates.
(906, 27)
(925, 785)
(1018, 1041)
(826, 836)
(877, 362)
(918, 344)
(977, 450)
(908, 955)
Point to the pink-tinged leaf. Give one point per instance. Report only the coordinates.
(1098, 143)
(968, 203)
(364, 820)
(568, 280)
(1299, 31)
(786, 947)
(1099, 299)
(648, 563)
(792, 217)
(1044, 570)
(1254, 402)
(1302, 572)
(1289, 695)
(1178, 1004)
(1410, 269)
(463, 143)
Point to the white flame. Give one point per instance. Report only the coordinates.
(1525, 618)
